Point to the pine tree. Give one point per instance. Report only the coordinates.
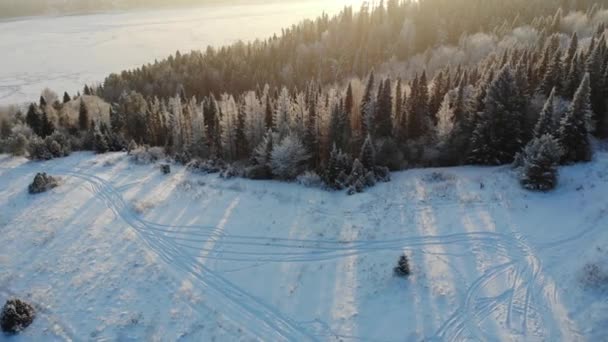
(540, 159)
(262, 153)
(83, 116)
(498, 135)
(47, 126)
(288, 158)
(368, 154)
(66, 97)
(34, 119)
(553, 75)
(403, 267)
(545, 119)
(356, 180)
(283, 113)
(337, 169)
(368, 107)
(419, 119)
(383, 120)
(575, 126)
(242, 148)
(574, 77)
(87, 90)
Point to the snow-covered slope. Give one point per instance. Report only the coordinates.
(121, 252)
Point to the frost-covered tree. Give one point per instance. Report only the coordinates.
(545, 119)
(66, 97)
(540, 160)
(368, 106)
(228, 125)
(338, 167)
(262, 154)
(283, 113)
(255, 125)
(288, 158)
(368, 154)
(576, 125)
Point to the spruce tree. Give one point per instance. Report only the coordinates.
(83, 116)
(337, 169)
(47, 126)
(42, 102)
(368, 107)
(66, 97)
(34, 119)
(552, 77)
(383, 121)
(368, 154)
(545, 119)
(575, 126)
(498, 135)
(540, 159)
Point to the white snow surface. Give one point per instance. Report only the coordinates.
(120, 252)
(63, 53)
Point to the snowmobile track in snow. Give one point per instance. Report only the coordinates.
(173, 246)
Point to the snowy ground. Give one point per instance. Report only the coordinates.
(64, 53)
(121, 252)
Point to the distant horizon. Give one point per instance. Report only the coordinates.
(16, 10)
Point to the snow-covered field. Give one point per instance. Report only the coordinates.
(120, 252)
(64, 53)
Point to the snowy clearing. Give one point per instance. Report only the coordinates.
(120, 252)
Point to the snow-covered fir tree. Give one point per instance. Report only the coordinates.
(540, 160)
(576, 125)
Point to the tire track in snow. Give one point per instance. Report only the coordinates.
(165, 241)
(270, 323)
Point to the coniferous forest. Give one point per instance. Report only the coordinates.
(348, 98)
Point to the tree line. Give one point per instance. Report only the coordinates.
(536, 106)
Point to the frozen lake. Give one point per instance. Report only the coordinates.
(64, 53)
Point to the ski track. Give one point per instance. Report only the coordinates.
(172, 246)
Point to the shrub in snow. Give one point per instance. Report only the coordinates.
(16, 316)
(437, 177)
(207, 166)
(230, 172)
(595, 276)
(382, 174)
(56, 145)
(310, 179)
(147, 155)
(132, 146)
(403, 267)
(288, 158)
(539, 161)
(16, 144)
(258, 172)
(42, 183)
(165, 169)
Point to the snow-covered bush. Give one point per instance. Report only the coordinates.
(147, 155)
(231, 171)
(16, 315)
(310, 179)
(42, 183)
(258, 172)
(403, 267)
(539, 162)
(206, 166)
(16, 144)
(288, 158)
(56, 145)
(595, 276)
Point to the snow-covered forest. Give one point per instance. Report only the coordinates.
(348, 98)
